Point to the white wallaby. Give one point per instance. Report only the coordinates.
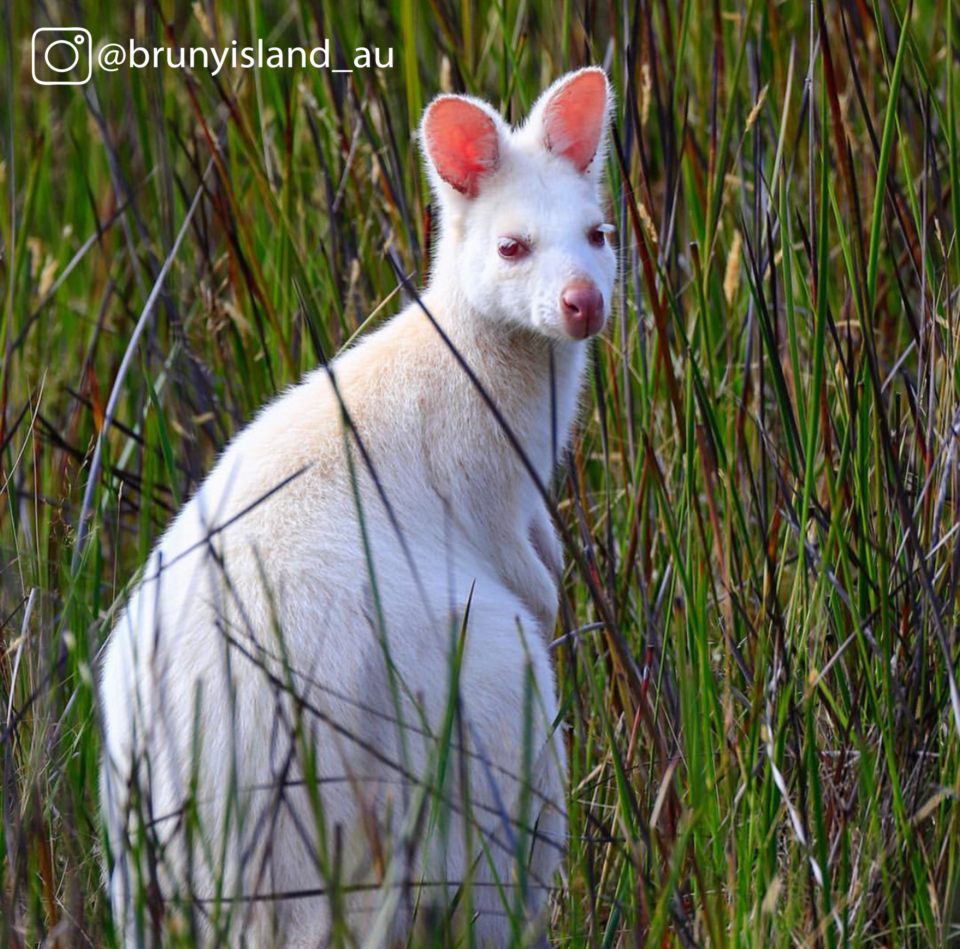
(329, 704)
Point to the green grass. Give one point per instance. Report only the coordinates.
(763, 497)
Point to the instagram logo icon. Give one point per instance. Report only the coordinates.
(62, 56)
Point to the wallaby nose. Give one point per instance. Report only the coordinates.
(581, 305)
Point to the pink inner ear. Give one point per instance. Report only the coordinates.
(461, 140)
(573, 119)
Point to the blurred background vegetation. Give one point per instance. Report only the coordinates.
(765, 741)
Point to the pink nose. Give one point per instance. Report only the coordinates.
(581, 305)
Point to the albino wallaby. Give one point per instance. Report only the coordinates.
(329, 704)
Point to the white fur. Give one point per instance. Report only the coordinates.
(199, 670)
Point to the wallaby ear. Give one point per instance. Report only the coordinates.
(461, 142)
(574, 115)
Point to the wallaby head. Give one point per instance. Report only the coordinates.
(523, 237)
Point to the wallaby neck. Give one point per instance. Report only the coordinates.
(534, 382)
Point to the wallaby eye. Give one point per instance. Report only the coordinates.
(597, 236)
(512, 248)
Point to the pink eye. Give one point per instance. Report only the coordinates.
(596, 237)
(511, 248)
